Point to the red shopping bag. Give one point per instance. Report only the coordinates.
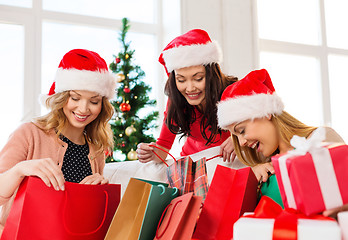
(180, 218)
(232, 192)
(187, 175)
(80, 212)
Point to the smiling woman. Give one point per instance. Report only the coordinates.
(194, 86)
(190, 82)
(69, 142)
(252, 111)
(80, 110)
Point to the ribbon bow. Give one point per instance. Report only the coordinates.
(303, 145)
(285, 220)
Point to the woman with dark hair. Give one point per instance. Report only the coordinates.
(194, 86)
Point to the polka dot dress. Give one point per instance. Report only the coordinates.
(76, 165)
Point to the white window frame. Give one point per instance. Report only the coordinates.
(320, 52)
(32, 18)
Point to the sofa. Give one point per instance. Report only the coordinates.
(121, 172)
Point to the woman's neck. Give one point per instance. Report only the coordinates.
(284, 147)
(75, 135)
(201, 106)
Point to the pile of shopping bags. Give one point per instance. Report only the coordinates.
(287, 206)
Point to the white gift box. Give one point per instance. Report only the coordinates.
(262, 229)
(343, 221)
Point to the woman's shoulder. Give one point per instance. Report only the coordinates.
(27, 127)
(30, 128)
(332, 135)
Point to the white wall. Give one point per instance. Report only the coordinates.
(230, 22)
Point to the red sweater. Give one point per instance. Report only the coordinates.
(195, 142)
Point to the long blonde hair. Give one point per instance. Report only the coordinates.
(286, 125)
(98, 132)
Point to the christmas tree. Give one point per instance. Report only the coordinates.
(132, 95)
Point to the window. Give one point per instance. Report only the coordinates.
(305, 51)
(35, 34)
(11, 75)
(113, 9)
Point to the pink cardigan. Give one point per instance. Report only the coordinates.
(30, 142)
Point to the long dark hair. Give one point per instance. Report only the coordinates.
(180, 114)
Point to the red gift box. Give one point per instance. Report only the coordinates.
(313, 178)
(270, 221)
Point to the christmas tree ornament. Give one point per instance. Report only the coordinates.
(125, 107)
(126, 89)
(132, 155)
(118, 60)
(129, 130)
(120, 77)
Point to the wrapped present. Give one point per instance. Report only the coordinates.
(343, 221)
(270, 221)
(313, 177)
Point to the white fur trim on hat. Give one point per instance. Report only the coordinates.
(103, 83)
(235, 110)
(192, 55)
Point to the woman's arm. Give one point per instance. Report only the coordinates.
(14, 166)
(45, 169)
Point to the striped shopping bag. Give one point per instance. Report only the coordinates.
(187, 175)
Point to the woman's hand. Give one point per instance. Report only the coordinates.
(333, 212)
(45, 168)
(227, 150)
(94, 179)
(146, 154)
(261, 171)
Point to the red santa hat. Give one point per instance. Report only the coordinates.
(249, 98)
(82, 69)
(190, 49)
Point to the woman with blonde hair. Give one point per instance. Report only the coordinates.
(259, 125)
(68, 143)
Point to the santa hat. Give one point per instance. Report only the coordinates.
(82, 69)
(249, 98)
(190, 49)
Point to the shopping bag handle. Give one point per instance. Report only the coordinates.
(91, 232)
(170, 217)
(207, 159)
(164, 189)
(151, 145)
